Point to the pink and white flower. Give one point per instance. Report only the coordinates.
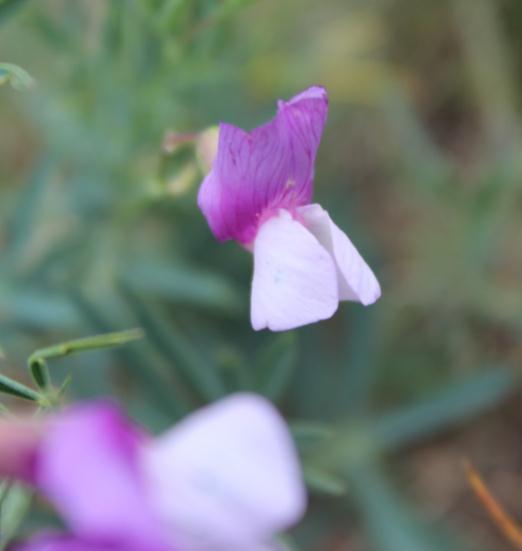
(259, 194)
(227, 478)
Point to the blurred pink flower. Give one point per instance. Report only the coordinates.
(19, 441)
(259, 192)
(225, 478)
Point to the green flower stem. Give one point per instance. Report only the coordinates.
(37, 362)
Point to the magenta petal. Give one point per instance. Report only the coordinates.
(58, 542)
(260, 171)
(64, 543)
(19, 442)
(88, 467)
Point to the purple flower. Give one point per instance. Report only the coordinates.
(259, 192)
(226, 478)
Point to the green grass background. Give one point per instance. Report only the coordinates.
(420, 164)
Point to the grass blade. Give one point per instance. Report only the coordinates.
(14, 388)
(198, 373)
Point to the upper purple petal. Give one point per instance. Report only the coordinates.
(88, 466)
(271, 167)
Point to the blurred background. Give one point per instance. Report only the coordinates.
(420, 164)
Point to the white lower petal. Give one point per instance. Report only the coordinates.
(227, 478)
(356, 280)
(295, 280)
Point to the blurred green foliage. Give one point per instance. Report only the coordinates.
(419, 164)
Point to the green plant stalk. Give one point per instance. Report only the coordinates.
(88, 343)
(37, 362)
(14, 388)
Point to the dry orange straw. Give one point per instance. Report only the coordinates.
(504, 522)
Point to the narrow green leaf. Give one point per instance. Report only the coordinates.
(14, 388)
(453, 405)
(183, 284)
(168, 397)
(284, 542)
(36, 308)
(40, 373)
(64, 386)
(356, 379)
(4, 488)
(276, 365)
(391, 523)
(196, 370)
(321, 482)
(414, 143)
(309, 434)
(9, 7)
(14, 508)
(17, 77)
(26, 213)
